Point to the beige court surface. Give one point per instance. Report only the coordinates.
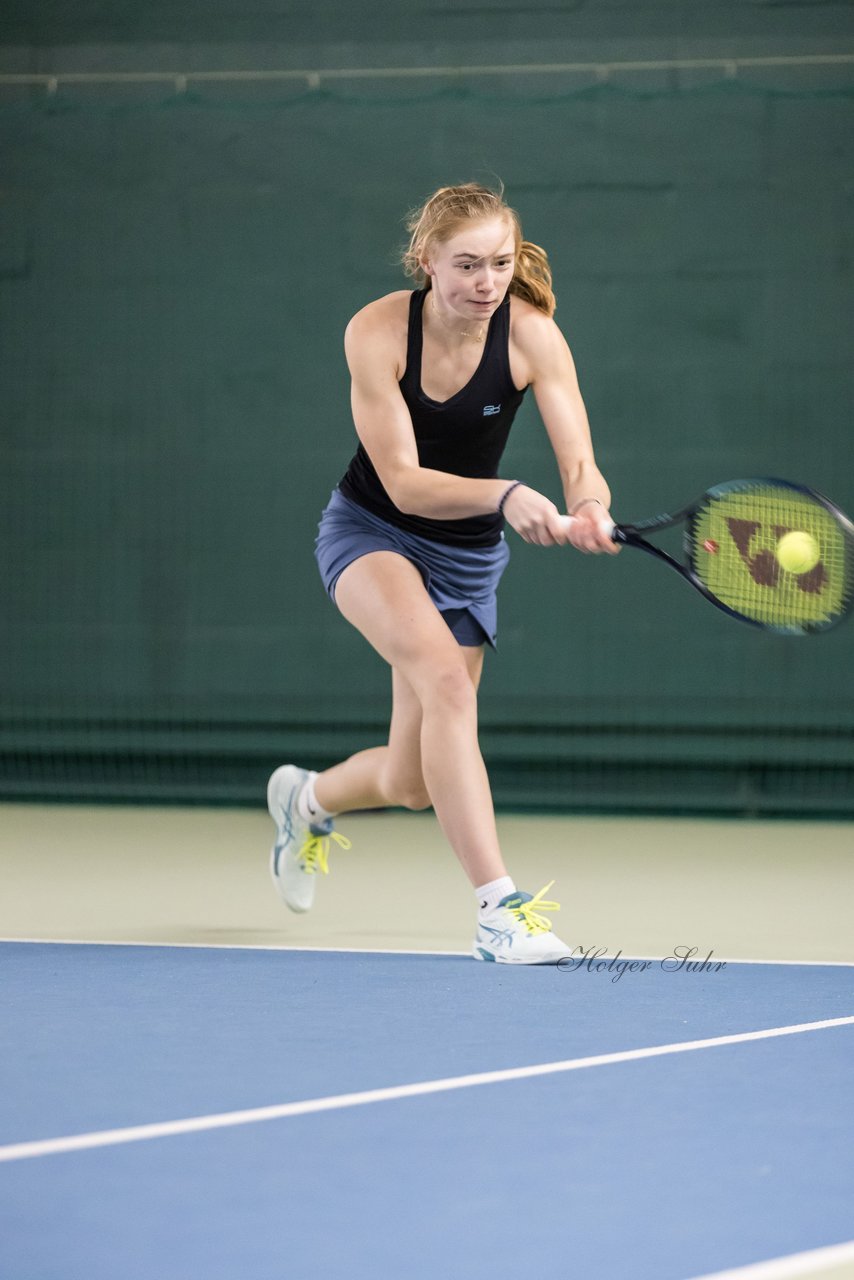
(643, 886)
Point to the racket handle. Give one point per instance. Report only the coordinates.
(613, 530)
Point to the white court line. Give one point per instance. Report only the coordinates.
(364, 951)
(793, 1264)
(311, 1106)
(229, 946)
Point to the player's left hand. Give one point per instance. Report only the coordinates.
(590, 531)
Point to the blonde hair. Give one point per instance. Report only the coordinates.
(447, 210)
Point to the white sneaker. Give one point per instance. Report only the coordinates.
(515, 932)
(300, 851)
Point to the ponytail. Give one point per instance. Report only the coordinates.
(532, 279)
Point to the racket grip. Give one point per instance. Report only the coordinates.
(612, 529)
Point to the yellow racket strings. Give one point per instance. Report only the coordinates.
(735, 539)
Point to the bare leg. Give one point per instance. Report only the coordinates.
(389, 775)
(383, 596)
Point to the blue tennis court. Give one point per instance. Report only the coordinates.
(363, 1114)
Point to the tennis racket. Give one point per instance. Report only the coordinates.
(771, 553)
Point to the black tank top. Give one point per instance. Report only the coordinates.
(464, 436)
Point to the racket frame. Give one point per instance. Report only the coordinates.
(631, 535)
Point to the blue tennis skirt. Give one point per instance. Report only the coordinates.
(462, 582)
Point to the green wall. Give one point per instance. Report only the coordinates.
(176, 271)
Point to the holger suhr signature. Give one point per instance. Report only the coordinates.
(597, 960)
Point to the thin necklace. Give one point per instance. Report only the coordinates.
(463, 333)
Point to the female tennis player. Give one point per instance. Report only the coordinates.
(411, 546)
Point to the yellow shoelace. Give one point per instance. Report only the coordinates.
(314, 855)
(528, 914)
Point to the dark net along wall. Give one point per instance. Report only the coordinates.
(178, 265)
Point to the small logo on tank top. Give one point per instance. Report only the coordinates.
(490, 409)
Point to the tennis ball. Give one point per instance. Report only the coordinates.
(798, 552)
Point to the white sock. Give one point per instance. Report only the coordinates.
(489, 895)
(308, 806)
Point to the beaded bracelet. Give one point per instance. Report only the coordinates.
(506, 494)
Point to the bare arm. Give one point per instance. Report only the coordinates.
(551, 371)
(385, 429)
